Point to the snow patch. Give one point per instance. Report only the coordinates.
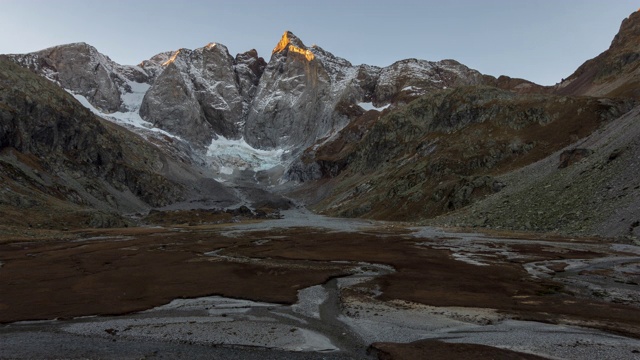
(130, 118)
(369, 106)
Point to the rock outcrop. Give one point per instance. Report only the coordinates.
(408, 79)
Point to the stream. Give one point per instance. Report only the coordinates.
(309, 329)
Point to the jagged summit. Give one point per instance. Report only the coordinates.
(629, 33)
(291, 43)
(303, 94)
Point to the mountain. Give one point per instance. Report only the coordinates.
(307, 93)
(415, 140)
(82, 69)
(301, 95)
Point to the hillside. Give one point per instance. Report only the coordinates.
(63, 167)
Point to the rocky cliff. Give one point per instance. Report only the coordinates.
(204, 93)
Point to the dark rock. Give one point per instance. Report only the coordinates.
(570, 157)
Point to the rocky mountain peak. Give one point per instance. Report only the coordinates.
(613, 73)
(289, 43)
(629, 33)
(251, 59)
(200, 95)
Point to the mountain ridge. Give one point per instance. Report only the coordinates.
(208, 123)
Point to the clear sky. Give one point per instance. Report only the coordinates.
(539, 40)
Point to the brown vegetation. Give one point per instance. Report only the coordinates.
(125, 270)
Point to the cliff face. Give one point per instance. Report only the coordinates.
(296, 98)
(203, 93)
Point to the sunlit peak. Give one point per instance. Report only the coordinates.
(172, 58)
(285, 44)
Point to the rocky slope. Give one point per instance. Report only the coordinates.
(525, 158)
(64, 167)
(589, 187)
(444, 150)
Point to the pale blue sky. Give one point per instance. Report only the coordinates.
(540, 40)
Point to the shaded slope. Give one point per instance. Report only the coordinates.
(443, 151)
(597, 194)
(64, 167)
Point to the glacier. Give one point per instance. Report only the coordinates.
(229, 154)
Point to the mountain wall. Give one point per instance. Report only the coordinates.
(301, 95)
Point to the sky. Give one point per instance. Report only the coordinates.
(539, 40)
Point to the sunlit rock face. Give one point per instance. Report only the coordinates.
(296, 99)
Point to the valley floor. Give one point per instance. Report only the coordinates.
(311, 287)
